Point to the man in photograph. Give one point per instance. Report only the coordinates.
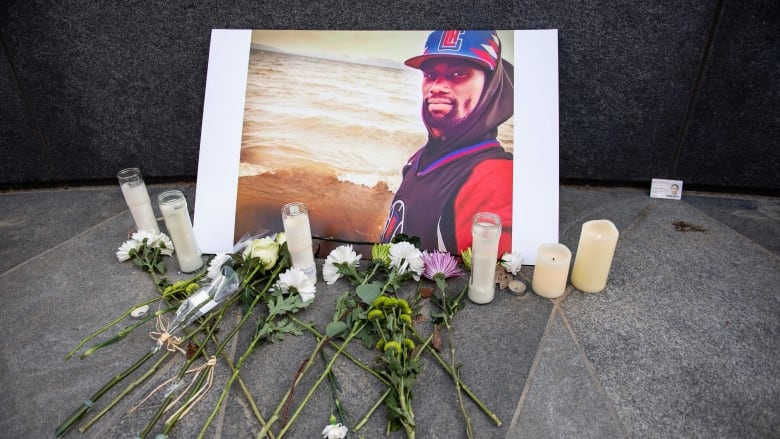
(467, 93)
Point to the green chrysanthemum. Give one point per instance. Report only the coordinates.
(392, 345)
(380, 345)
(409, 344)
(405, 318)
(380, 253)
(405, 308)
(375, 314)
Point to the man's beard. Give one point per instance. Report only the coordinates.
(445, 122)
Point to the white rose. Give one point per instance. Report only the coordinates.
(266, 249)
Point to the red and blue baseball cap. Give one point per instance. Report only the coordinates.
(480, 46)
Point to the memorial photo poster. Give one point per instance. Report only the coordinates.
(329, 118)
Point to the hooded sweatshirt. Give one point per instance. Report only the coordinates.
(454, 176)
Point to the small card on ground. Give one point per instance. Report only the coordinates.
(670, 189)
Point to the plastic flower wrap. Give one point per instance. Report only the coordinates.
(201, 302)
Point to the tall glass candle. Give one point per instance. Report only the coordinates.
(295, 218)
(595, 250)
(485, 233)
(173, 206)
(137, 198)
(551, 270)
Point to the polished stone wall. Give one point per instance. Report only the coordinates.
(670, 89)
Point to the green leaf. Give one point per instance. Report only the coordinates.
(334, 329)
(369, 292)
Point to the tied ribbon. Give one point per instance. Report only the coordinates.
(163, 338)
(175, 383)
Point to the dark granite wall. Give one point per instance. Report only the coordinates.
(671, 89)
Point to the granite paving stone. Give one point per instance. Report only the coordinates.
(684, 338)
(682, 342)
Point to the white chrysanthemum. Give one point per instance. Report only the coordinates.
(155, 240)
(334, 431)
(340, 255)
(406, 257)
(164, 243)
(215, 266)
(295, 278)
(123, 252)
(148, 235)
(512, 262)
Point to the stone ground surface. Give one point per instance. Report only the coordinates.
(684, 341)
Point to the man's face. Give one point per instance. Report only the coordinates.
(451, 90)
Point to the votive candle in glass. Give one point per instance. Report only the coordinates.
(485, 233)
(595, 250)
(173, 206)
(551, 270)
(137, 198)
(297, 230)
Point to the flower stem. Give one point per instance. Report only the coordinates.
(371, 411)
(126, 391)
(87, 405)
(236, 370)
(106, 327)
(308, 396)
(319, 336)
(244, 389)
(463, 385)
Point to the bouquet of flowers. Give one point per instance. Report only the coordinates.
(257, 272)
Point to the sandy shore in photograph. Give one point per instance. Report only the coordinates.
(337, 209)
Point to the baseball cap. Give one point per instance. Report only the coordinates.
(480, 46)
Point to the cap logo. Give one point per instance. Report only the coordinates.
(451, 40)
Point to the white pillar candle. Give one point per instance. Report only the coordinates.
(485, 233)
(295, 218)
(173, 207)
(551, 270)
(137, 198)
(594, 256)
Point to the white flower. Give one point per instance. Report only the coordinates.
(280, 237)
(512, 262)
(165, 244)
(334, 431)
(295, 278)
(215, 266)
(266, 249)
(406, 257)
(123, 252)
(340, 255)
(154, 240)
(143, 234)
